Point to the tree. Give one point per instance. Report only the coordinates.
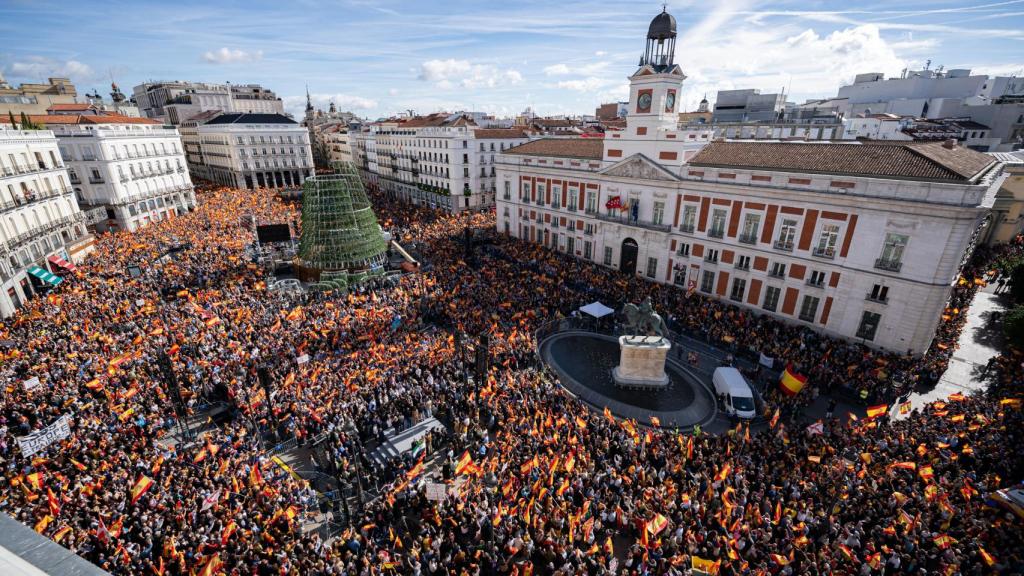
(1017, 283)
(1013, 326)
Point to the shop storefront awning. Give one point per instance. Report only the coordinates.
(62, 263)
(48, 277)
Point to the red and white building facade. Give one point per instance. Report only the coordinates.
(862, 241)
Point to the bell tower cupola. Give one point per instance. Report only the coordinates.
(654, 89)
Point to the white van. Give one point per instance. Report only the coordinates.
(736, 395)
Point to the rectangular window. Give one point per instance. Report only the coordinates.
(607, 255)
(707, 281)
(684, 250)
(711, 255)
(771, 298)
(787, 233)
(508, 190)
(817, 278)
(652, 267)
(556, 196)
(879, 293)
(717, 224)
(587, 247)
(659, 212)
(541, 189)
(751, 224)
(739, 287)
(591, 207)
(571, 205)
(778, 270)
(827, 239)
(589, 229)
(868, 325)
(689, 217)
(808, 308)
(526, 191)
(570, 244)
(743, 262)
(892, 252)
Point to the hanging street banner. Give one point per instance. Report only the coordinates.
(40, 439)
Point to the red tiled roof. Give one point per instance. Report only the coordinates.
(69, 107)
(910, 160)
(491, 133)
(50, 119)
(590, 148)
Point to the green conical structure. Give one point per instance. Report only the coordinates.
(339, 229)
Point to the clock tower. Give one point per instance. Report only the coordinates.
(654, 89)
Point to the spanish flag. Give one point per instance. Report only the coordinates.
(791, 383)
(723, 473)
(465, 461)
(255, 478)
(35, 480)
(879, 410)
(212, 567)
(988, 558)
(228, 531)
(657, 524)
(141, 485)
(704, 565)
(65, 530)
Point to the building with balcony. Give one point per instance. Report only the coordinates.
(859, 240)
(125, 172)
(42, 230)
(255, 150)
(442, 160)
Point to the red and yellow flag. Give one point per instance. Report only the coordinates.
(141, 485)
(879, 410)
(464, 463)
(791, 383)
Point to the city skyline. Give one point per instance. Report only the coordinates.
(379, 58)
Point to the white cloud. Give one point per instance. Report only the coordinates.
(592, 69)
(600, 53)
(393, 92)
(228, 56)
(556, 70)
(447, 74)
(588, 84)
(39, 67)
(774, 57)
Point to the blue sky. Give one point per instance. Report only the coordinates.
(379, 57)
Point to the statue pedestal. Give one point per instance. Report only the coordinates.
(642, 362)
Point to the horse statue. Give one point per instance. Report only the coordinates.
(642, 320)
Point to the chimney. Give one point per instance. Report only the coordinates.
(949, 144)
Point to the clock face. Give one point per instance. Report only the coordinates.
(670, 101)
(645, 101)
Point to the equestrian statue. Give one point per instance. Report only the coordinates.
(643, 320)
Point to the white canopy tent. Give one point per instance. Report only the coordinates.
(596, 309)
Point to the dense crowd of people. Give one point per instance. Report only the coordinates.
(537, 483)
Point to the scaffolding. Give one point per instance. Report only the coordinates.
(339, 229)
